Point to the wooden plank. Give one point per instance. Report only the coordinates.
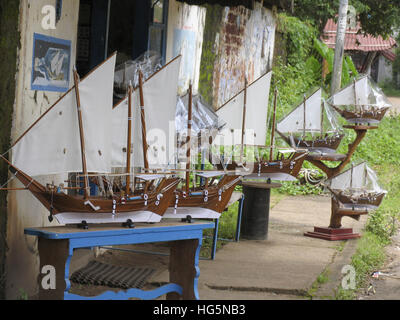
(261, 185)
(182, 268)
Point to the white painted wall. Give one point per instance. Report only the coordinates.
(385, 72)
(22, 263)
(185, 36)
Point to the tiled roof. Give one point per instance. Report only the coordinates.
(388, 54)
(354, 41)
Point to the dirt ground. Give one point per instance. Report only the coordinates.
(386, 284)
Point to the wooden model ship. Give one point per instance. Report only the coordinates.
(311, 125)
(252, 104)
(210, 197)
(76, 135)
(360, 102)
(357, 188)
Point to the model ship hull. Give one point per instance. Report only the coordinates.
(370, 200)
(203, 202)
(76, 208)
(329, 143)
(372, 115)
(289, 167)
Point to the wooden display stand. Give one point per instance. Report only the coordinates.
(344, 159)
(334, 231)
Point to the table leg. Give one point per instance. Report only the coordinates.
(215, 239)
(53, 253)
(184, 268)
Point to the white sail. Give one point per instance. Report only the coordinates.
(52, 145)
(159, 95)
(257, 95)
(353, 178)
(362, 92)
(294, 121)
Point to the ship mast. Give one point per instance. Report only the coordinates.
(351, 177)
(355, 95)
(189, 132)
(322, 118)
(143, 120)
(304, 117)
(243, 119)
(129, 140)
(273, 127)
(82, 139)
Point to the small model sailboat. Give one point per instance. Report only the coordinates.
(357, 187)
(311, 125)
(209, 199)
(252, 104)
(75, 135)
(361, 102)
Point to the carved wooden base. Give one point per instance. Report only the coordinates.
(332, 234)
(334, 231)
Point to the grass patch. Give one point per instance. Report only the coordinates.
(322, 278)
(380, 226)
(390, 89)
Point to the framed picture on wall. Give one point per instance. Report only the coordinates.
(50, 63)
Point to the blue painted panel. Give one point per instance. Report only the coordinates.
(135, 239)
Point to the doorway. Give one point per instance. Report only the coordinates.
(126, 26)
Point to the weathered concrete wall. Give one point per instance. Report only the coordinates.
(222, 46)
(245, 49)
(185, 37)
(9, 44)
(22, 265)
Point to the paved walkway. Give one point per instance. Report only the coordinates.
(285, 265)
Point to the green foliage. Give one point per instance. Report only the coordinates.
(376, 17)
(383, 221)
(299, 188)
(299, 73)
(349, 70)
(380, 146)
(369, 256)
(391, 88)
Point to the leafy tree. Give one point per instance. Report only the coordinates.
(376, 17)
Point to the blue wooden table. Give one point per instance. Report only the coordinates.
(56, 246)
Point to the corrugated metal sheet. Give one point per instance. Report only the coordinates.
(354, 40)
